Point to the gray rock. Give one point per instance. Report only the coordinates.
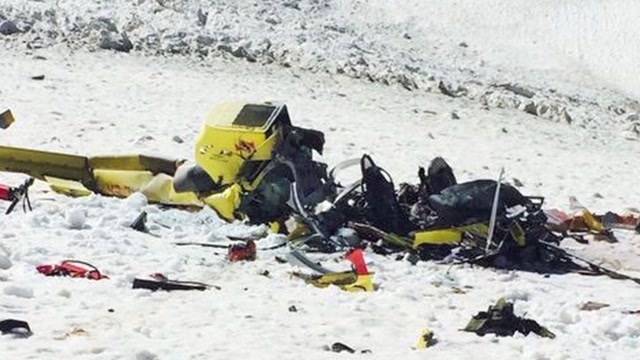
(407, 82)
(566, 116)
(542, 109)
(517, 182)
(292, 4)
(177, 139)
(117, 42)
(633, 129)
(445, 89)
(104, 23)
(8, 27)
(273, 20)
(518, 90)
(205, 40)
(531, 108)
(202, 17)
(241, 52)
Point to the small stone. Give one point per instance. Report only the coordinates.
(542, 109)
(272, 20)
(407, 83)
(8, 27)
(567, 117)
(445, 89)
(293, 4)
(293, 308)
(340, 347)
(242, 52)
(517, 182)
(177, 139)
(145, 138)
(463, 44)
(118, 42)
(598, 196)
(504, 130)
(531, 108)
(37, 77)
(592, 306)
(518, 90)
(455, 116)
(202, 17)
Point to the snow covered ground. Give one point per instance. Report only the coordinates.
(100, 102)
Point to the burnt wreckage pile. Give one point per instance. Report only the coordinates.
(439, 219)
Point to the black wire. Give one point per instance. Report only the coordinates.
(218, 246)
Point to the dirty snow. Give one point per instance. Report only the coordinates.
(330, 61)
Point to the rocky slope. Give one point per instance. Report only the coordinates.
(354, 38)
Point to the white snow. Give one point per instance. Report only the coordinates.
(18, 291)
(5, 262)
(95, 101)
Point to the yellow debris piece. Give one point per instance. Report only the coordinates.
(226, 202)
(426, 339)
(160, 190)
(592, 223)
(121, 183)
(362, 283)
(437, 237)
(67, 187)
(346, 280)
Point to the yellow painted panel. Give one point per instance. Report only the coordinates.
(437, 237)
(67, 187)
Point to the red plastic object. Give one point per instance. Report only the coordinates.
(356, 256)
(246, 252)
(72, 268)
(6, 192)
